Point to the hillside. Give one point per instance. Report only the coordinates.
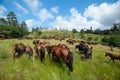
(23, 69)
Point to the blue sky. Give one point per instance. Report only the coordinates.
(64, 14)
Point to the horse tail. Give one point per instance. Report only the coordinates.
(70, 63)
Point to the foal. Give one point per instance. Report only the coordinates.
(112, 56)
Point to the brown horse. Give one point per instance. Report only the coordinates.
(65, 54)
(112, 56)
(29, 52)
(40, 51)
(18, 48)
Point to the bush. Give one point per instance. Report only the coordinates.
(113, 40)
(105, 40)
(89, 39)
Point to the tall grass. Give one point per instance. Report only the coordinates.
(23, 69)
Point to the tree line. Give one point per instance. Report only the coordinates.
(11, 28)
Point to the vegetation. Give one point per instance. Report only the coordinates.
(10, 27)
(112, 40)
(23, 69)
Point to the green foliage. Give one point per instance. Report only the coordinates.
(82, 36)
(74, 31)
(105, 39)
(3, 56)
(82, 31)
(113, 40)
(89, 39)
(96, 39)
(10, 29)
(23, 69)
(12, 19)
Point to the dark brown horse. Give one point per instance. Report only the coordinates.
(18, 48)
(40, 51)
(112, 56)
(65, 54)
(86, 50)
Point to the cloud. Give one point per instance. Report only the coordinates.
(2, 11)
(31, 23)
(55, 9)
(45, 15)
(22, 8)
(34, 5)
(106, 14)
(75, 20)
(96, 16)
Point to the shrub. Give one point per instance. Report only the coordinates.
(113, 40)
(89, 38)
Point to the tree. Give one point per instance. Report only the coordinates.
(24, 28)
(97, 31)
(82, 31)
(3, 22)
(74, 31)
(12, 20)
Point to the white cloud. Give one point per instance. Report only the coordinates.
(31, 23)
(20, 7)
(54, 9)
(75, 20)
(45, 15)
(106, 14)
(2, 11)
(102, 16)
(34, 5)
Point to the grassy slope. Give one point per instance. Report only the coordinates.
(24, 69)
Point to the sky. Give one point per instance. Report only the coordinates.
(64, 14)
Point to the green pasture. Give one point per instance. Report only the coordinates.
(23, 69)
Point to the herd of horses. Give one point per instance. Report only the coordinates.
(59, 51)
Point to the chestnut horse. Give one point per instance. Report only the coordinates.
(65, 54)
(40, 51)
(112, 56)
(29, 52)
(18, 48)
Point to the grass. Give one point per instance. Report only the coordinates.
(23, 69)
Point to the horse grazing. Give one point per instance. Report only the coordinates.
(88, 53)
(112, 56)
(18, 48)
(85, 50)
(29, 52)
(40, 51)
(65, 54)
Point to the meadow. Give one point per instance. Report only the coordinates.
(97, 68)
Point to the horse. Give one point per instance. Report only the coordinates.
(85, 50)
(29, 52)
(65, 54)
(88, 53)
(112, 56)
(18, 48)
(49, 49)
(63, 46)
(40, 51)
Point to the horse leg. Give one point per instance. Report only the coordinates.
(113, 60)
(109, 60)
